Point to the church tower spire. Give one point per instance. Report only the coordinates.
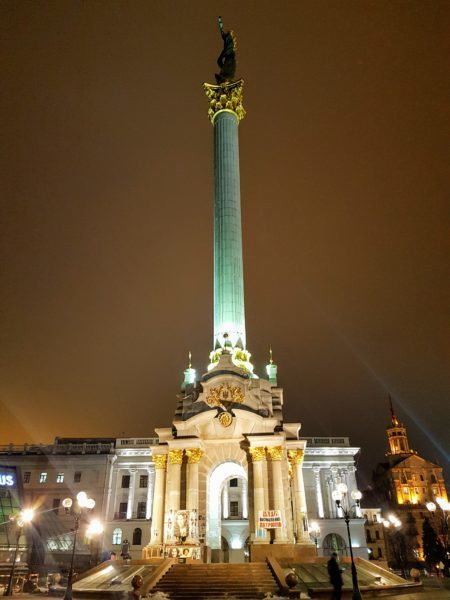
(225, 113)
(396, 433)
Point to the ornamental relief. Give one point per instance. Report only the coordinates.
(224, 395)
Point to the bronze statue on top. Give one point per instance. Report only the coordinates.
(227, 58)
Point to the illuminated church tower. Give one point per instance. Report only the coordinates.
(398, 440)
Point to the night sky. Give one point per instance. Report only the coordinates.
(106, 224)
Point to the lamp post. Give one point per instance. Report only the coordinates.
(24, 518)
(83, 503)
(442, 508)
(314, 532)
(340, 497)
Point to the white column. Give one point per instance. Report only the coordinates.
(244, 499)
(131, 491)
(158, 499)
(318, 492)
(174, 479)
(225, 501)
(258, 459)
(275, 454)
(194, 455)
(111, 497)
(150, 488)
(301, 515)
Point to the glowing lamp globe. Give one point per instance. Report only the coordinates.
(82, 498)
(356, 495)
(90, 503)
(336, 495)
(431, 506)
(342, 488)
(27, 515)
(67, 503)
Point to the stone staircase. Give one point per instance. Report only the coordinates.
(217, 581)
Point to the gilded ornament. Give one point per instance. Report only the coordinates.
(225, 419)
(227, 394)
(226, 97)
(296, 456)
(275, 453)
(176, 457)
(257, 453)
(194, 455)
(160, 461)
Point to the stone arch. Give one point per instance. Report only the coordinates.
(218, 476)
(333, 542)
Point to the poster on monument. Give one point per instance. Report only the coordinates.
(269, 519)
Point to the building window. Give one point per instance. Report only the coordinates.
(421, 478)
(234, 482)
(60, 478)
(377, 534)
(137, 536)
(406, 490)
(43, 477)
(123, 510)
(234, 508)
(368, 536)
(380, 554)
(56, 503)
(435, 492)
(27, 477)
(125, 481)
(142, 510)
(143, 481)
(77, 477)
(117, 536)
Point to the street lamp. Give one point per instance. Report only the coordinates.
(314, 532)
(24, 518)
(83, 503)
(340, 497)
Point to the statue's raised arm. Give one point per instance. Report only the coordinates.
(227, 58)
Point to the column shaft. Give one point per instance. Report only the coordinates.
(158, 499)
(275, 454)
(131, 492)
(258, 457)
(319, 498)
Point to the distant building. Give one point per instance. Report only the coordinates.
(375, 538)
(404, 483)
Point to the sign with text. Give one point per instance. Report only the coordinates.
(269, 519)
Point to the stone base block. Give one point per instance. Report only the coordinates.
(289, 553)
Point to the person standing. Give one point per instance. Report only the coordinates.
(335, 573)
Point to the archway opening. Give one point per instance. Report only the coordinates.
(333, 542)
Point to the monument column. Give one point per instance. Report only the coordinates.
(258, 455)
(225, 112)
(296, 460)
(174, 479)
(275, 454)
(158, 499)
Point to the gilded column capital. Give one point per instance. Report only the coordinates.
(175, 457)
(226, 97)
(194, 455)
(274, 453)
(257, 453)
(296, 456)
(160, 461)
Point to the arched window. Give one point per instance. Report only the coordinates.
(117, 536)
(137, 536)
(333, 542)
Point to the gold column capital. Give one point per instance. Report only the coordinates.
(274, 453)
(160, 461)
(295, 457)
(257, 453)
(194, 455)
(175, 457)
(227, 97)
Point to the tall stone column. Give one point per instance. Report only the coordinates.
(275, 454)
(174, 479)
(158, 499)
(131, 493)
(301, 518)
(319, 498)
(150, 489)
(194, 455)
(225, 112)
(225, 501)
(258, 455)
